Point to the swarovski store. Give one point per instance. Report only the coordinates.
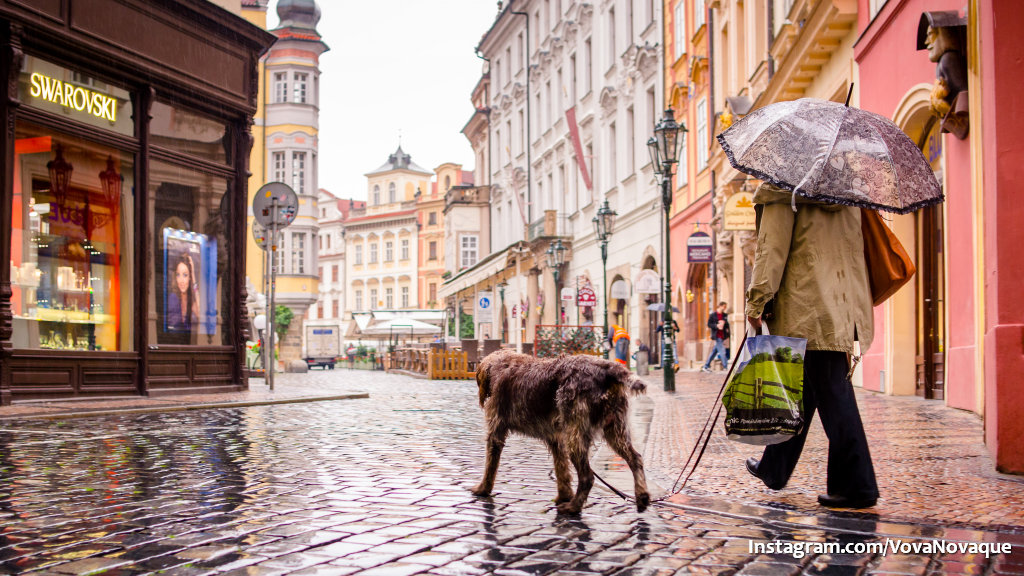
(122, 210)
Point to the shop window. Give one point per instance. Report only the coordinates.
(190, 294)
(71, 243)
(181, 130)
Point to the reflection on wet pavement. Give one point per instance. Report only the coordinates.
(379, 486)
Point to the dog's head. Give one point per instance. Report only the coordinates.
(619, 374)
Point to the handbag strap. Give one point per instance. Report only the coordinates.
(709, 426)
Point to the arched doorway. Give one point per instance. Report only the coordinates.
(650, 318)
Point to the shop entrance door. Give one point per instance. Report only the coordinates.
(930, 357)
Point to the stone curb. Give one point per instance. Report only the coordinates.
(180, 407)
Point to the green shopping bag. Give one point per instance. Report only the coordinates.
(764, 399)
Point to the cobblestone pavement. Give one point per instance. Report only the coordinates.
(930, 460)
(380, 486)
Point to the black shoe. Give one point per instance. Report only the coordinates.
(752, 464)
(831, 501)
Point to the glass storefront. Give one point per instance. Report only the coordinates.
(190, 296)
(71, 254)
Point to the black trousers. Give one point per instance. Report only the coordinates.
(827, 390)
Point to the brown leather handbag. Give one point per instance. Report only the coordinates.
(889, 265)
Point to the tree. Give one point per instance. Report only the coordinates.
(466, 330)
(283, 316)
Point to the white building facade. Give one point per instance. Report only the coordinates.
(602, 61)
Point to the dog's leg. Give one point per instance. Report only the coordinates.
(562, 476)
(495, 442)
(578, 444)
(617, 435)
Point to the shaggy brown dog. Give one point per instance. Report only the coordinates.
(562, 401)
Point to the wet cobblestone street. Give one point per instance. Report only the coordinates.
(381, 486)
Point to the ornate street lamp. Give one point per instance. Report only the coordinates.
(60, 174)
(556, 257)
(664, 151)
(604, 224)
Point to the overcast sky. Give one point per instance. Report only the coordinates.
(395, 66)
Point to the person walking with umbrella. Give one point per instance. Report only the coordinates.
(820, 161)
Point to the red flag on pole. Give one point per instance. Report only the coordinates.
(581, 160)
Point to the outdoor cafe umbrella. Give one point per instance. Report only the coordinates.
(829, 152)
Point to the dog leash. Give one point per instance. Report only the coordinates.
(705, 434)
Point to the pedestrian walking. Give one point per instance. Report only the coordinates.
(718, 322)
(618, 340)
(809, 265)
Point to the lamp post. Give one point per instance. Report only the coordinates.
(556, 257)
(664, 151)
(501, 317)
(604, 224)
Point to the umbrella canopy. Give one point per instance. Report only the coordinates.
(829, 152)
(401, 326)
(660, 307)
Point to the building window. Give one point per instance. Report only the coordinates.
(588, 67)
(322, 274)
(432, 219)
(373, 298)
(298, 253)
(359, 300)
(631, 142)
(359, 255)
(679, 27)
(389, 251)
(319, 309)
(280, 87)
(698, 14)
(299, 172)
(391, 193)
(373, 253)
(684, 160)
(469, 251)
(328, 241)
(612, 159)
(299, 96)
(404, 254)
(702, 133)
(432, 250)
(405, 296)
(612, 49)
(334, 308)
(432, 288)
(389, 298)
(278, 160)
(334, 273)
(376, 195)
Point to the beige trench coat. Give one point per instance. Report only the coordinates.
(812, 261)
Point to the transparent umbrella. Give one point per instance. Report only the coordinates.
(832, 153)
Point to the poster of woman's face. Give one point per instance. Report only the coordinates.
(190, 262)
(183, 258)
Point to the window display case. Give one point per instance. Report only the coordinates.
(68, 260)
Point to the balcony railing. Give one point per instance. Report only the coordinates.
(552, 224)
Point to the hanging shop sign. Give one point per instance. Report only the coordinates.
(586, 297)
(699, 248)
(620, 290)
(648, 282)
(739, 212)
(568, 295)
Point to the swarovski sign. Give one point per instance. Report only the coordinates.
(75, 97)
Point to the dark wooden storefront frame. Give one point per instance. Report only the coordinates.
(141, 62)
